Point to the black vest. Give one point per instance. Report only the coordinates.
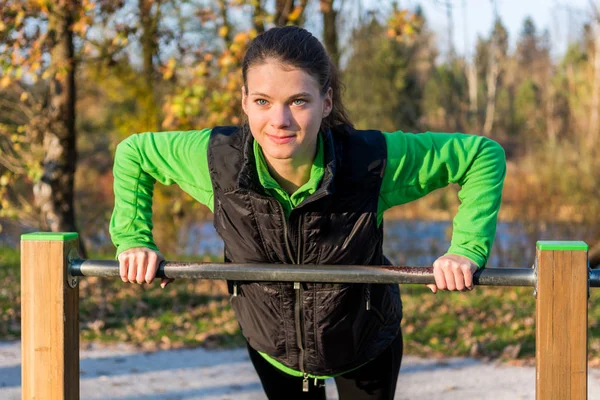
(318, 328)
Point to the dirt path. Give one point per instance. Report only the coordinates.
(125, 374)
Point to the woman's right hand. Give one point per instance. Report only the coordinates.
(140, 264)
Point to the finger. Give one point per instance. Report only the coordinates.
(165, 281)
(459, 279)
(131, 272)
(468, 274)
(142, 265)
(438, 274)
(449, 276)
(152, 267)
(433, 288)
(123, 266)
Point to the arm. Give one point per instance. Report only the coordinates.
(140, 161)
(421, 163)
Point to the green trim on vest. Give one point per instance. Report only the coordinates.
(300, 374)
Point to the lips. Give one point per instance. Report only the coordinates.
(281, 139)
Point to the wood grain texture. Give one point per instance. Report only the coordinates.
(49, 323)
(561, 325)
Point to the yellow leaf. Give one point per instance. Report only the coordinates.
(19, 18)
(35, 66)
(223, 31)
(5, 81)
(24, 96)
(2, 26)
(169, 69)
(294, 15)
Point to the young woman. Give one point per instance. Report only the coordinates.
(297, 184)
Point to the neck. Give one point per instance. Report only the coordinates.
(290, 174)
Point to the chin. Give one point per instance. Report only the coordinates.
(279, 154)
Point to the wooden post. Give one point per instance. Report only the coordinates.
(49, 317)
(561, 320)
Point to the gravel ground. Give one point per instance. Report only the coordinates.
(122, 373)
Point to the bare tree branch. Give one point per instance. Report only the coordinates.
(595, 10)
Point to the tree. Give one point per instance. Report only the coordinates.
(391, 55)
(289, 12)
(497, 55)
(52, 126)
(330, 35)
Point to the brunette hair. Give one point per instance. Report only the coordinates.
(297, 47)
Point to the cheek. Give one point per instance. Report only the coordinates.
(254, 116)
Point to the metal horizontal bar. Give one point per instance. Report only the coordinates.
(306, 273)
(595, 278)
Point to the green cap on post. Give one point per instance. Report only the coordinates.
(57, 236)
(561, 245)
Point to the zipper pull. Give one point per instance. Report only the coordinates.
(305, 383)
(296, 285)
(368, 298)
(235, 293)
(317, 383)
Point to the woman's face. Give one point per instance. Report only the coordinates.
(285, 107)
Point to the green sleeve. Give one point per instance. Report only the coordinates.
(143, 159)
(420, 163)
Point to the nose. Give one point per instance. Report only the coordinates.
(280, 117)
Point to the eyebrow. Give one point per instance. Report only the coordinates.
(301, 94)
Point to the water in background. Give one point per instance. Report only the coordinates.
(419, 243)
(407, 242)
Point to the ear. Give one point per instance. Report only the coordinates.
(244, 99)
(328, 103)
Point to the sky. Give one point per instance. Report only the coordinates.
(563, 18)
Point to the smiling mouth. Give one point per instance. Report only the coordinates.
(281, 139)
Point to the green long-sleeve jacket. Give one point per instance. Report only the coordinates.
(417, 164)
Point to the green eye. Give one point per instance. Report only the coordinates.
(299, 102)
(261, 102)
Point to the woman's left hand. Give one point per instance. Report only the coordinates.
(453, 272)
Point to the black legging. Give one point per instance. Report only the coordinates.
(375, 380)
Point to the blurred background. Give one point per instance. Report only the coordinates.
(77, 77)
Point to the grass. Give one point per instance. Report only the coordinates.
(487, 322)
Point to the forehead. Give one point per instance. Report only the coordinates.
(275, 78)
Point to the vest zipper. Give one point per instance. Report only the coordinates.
(285, 233)
(298, 318)
(368, 304)
(299, 309)
(298, 303)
